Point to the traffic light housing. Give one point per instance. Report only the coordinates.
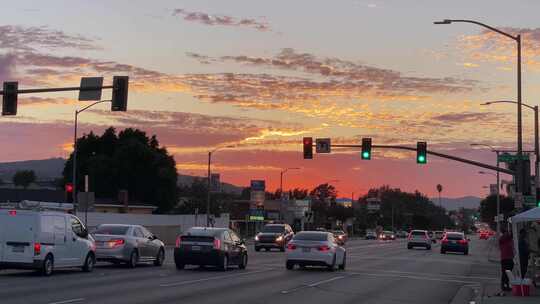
(308, 147)
(69, 193)
(120, 93)
(9, 98)
(421, 152)
(366, 148)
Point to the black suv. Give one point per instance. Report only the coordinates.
(273, 236)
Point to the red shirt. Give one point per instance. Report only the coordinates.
(507, 247)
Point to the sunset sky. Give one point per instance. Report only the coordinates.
(260, 75)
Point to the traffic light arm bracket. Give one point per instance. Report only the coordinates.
(455, 158)
(91, 105)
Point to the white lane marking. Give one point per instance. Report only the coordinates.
(213, 278)
(440, 275)
(412, 277)
(315, 284)
(68, 301)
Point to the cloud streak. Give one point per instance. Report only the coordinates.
(221, 20)
(28, 38)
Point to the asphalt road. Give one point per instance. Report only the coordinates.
(377, 272)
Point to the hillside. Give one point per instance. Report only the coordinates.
(469, 202)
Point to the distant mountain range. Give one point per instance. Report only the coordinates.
(49, 169)
(469, 202)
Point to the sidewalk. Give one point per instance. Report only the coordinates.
(490, 293)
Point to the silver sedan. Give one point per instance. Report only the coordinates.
(315, 248)
(129, 244)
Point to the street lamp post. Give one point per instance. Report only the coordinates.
(498, 186)
(209, 183)
(281, 180)
(517, 39)
(536, 139)
(74, 177)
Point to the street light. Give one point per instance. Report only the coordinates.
(281, 179)
(517, 39)
(74, 177)
(536, 139)
(498, 185)
(208, 190)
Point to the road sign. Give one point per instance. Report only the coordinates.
(258, 185)
(508, 158)
(518, 200)
(373, 204)
(256, 215)
(90, 82)
(322, 145)
(529, 200)
(85, 201)
(499, 218)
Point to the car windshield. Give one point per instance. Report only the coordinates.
(418, 233)
(273, 229)
(454, 236)
(338, 232)
(311, 236)
(111, 230)
(204, 232)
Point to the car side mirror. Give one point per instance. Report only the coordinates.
(84, 234)
(153, 237)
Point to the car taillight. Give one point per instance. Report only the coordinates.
(217, 244)
(445, 241)
(178, 241)
(12, 212)
(116, 242)
(291, 246)
(323, 248)
(463, 242)
(37, 248)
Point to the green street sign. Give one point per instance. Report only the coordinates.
(508, 158)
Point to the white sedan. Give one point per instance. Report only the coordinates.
(315, 248)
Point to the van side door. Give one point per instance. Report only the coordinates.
(60, 240)
(77, 246)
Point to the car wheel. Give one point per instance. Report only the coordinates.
(244, 261)
(282, 249)
(47, 267)
(257, 249)
(428, 247)
(179, 266)
(224, 263)
(133, 259)
(466, 252)
(89, 263)
(443, 251)
(266, 249)
(342, 266)
(160, 257)
(289, 265)
(332, 267)
(409, 247)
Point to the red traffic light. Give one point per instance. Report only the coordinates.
(308, 148)
(69, 187)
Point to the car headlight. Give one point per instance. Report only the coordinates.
(256, 238)
(279, 238)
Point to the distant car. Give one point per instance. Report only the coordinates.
(273, 236)
(371, 235)
(128, 244)
(315, 248)
(204, 246)
(484, 235)
(387, 236)
(455, 242)
(439, 235)
(419, 238)
(401, 234)
(340, 236)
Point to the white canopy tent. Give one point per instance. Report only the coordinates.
(518, 221)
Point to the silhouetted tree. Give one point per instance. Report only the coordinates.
(24, 178)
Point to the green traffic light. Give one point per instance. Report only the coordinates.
(365, 155)
(421, 159)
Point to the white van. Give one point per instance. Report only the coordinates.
(38, 238)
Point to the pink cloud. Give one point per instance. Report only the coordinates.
(221, 20)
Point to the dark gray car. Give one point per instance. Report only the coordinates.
(129, 244)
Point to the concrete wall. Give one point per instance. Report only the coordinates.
(166, 227)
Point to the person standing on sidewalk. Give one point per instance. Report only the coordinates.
(506, 247)
(523, 245)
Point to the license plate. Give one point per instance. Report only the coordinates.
(306, 249)
(18, 249)
(196, 248)
(452, 242)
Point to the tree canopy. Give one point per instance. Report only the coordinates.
(129, 160)
(24, 178)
